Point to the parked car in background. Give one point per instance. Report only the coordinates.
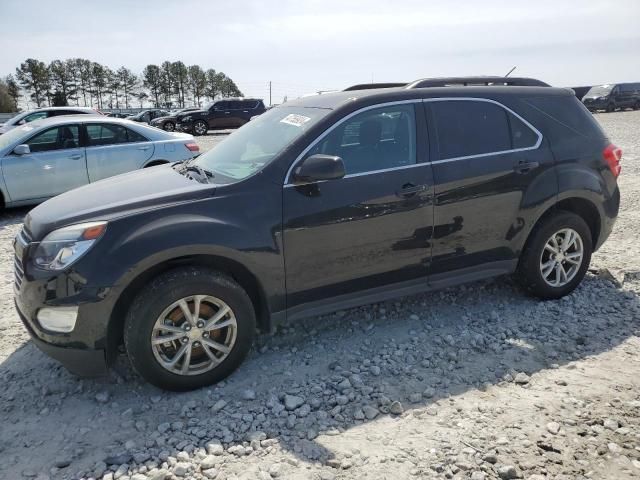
(168, 122)
(613, 96)
(48, 157)
(227, 113)
(119, 115)
(367, 195)
(42, 113)
(147, 115)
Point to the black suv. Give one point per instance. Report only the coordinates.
(612, 96)
(227, 113)
(323, 203)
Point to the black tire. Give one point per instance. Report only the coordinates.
(163, 291)
(529, 274)
(200, 127)
(169, 126)
(636, 106)
(611, 108)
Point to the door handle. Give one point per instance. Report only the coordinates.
(409, 190)
(227, 113)
(144, 148)
(525, 167)
(75, 156)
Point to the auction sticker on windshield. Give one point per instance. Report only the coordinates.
(295, 120)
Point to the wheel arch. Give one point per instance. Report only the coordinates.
(238, 272)
(155, 163)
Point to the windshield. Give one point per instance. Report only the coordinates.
(13, 135)
(599, 91)
(258, 142)
(16, 119)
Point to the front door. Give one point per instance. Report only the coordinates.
(484, 158)
(219, 115)
(56, 164)
(371, 228)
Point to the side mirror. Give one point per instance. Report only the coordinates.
(318, 167)
(22, 150)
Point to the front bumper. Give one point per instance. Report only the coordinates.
(81, 362)
(85, 350)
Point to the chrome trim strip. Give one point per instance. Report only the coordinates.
(335, 125)
(417, 100)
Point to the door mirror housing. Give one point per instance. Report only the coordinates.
(22, 150)
(318, 168)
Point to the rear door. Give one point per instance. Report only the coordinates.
(371, 228)
(219, 115)
(484, 159)
(56, 164)
(113, 149)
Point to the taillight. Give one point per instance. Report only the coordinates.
(613, 155)
(192, 146)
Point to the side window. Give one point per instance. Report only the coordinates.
(373, 140)
(221, 106)
(33, 117)
(236, 105)
(101, 134)
(57, 138)
(468, 128)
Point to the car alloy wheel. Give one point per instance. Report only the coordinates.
(169, 127)
(194, 335)
(561, 257)
(200, 128)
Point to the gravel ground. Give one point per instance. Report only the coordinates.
(474, 382)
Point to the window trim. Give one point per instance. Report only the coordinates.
(488, 154)
(46, 129)
(321, 137)
(99, 123)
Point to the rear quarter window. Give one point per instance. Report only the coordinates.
(568, 115)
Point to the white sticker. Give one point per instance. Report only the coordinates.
(295, 120)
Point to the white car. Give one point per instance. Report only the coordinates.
(42, 113)
(47, 157)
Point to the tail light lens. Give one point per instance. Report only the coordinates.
(612, 156)
(192, 146)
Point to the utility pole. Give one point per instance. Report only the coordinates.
(269, 92)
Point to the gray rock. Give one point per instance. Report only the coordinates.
(181, 469)
(522, 378)
(553, 428)
(490, 458)
(215, 448)
(248, 394)
(118, 459)
(611, 424)
(415, 397)
(370, 412)
(211, 473)
(375, 370)
(396, 408)
(507, 472)
(209, 462)
(219, 405)
(275, 470)
(102, 397)
(291, 402)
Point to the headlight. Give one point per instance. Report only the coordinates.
(63, 247)
(186, 119)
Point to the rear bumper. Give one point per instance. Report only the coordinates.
(82, 362)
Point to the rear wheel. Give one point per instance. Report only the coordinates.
(611, 107)
(556, 256)
(169, 126)
(189, 328)
(200, 127)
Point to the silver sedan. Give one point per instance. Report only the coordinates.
(47, 157)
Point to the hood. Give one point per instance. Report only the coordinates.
(162, 119)
(192, 112)
(115, 197)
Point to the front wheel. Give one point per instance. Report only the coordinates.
(200, 128)
(189, 328)
(611, 107)
(556, 256)
(169, 126)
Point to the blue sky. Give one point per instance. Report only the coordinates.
(303, 46)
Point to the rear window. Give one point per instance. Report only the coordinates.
(469, 128)
(568, 112)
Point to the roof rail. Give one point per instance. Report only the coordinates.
(367, 86)
(477, 81)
